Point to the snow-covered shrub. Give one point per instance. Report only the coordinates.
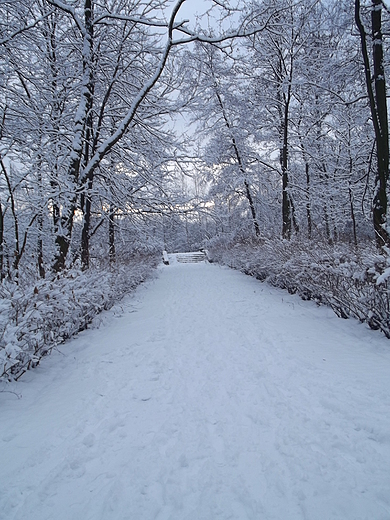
(37, 317)
(354, 283)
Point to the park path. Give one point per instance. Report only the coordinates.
(206, 395)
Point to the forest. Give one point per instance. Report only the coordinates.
(255, 129)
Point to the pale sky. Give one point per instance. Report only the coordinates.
(194, 11)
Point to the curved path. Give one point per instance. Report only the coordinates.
(206, 396)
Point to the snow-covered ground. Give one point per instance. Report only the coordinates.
(205, 396)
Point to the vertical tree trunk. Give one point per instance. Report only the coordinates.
(111, 235)
(380, 198)
(86, 227)
(284, 108)
(378, 107)
(86, 198)
(15, 219)
(327, 228)
(2, 274)
(49, 28)
(308, 206)
(308, 187)
(252, 207)
(352, 213)
(286, 206)
(41, 267)
(64, 234)
(286, 210)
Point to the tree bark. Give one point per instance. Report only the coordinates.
(308, 206)
(64, 234)
(2, 274)
(380, 198)
(41, 266)
(286, 204)
(378, 107)
(111, 235)
(86, 197)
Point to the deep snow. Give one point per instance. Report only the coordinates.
(207, 395)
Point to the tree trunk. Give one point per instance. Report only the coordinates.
(2, 274)
(64, 235)
(111, 235)
(308, 207)
(239, 161)
(15, 218)
(252, 207)
(378, 107)
(41, 267)
(86, 227)
(86, 197)
(308, 188)
(287, 210)
(380, 198)
(350, 192)
(286, 206)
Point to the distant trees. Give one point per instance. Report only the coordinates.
(86, 90)
(285, 122)
(120, 60)
(300, 100)
(221, 110)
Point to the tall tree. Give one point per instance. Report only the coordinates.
(378, 107)
(222, 102)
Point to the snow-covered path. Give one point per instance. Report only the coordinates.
(206, 396)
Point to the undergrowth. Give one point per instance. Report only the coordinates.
(35, 317)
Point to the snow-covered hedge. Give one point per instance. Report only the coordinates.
(34, 318)
(354, 283)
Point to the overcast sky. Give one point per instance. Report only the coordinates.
(192, 8)
(194, 11)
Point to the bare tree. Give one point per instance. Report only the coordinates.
(378, 107)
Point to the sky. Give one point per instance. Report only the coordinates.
(195, 11)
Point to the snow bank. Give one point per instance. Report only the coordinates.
(205, 395)
(36, 318)
(353, 283)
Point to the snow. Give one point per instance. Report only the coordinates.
(206, 395)
(384, 276)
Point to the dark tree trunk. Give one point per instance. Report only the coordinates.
(41, 267)
(86, 227)
(378, 107)
(308, 207)
(380, 198)
(64, 235)
(2, 274)
(15, 218)
(287, 208)
(252, 207)
(286, 205)
(308, 188)
(111, 235)
(352, 214)
(86, 199)
(49, 28)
